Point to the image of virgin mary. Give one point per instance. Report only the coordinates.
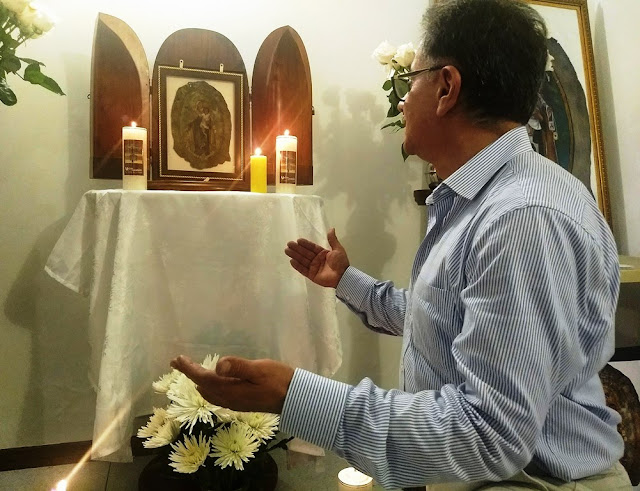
(201, 125)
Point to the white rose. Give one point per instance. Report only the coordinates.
(26, 18)
(15, 6)
(42, 22)
(384, 53)
(405, 55)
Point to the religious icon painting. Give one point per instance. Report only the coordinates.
(565, 126)
(200, 126)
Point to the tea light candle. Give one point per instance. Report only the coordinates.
(61, 486)
(350, 479)
(286, 163)
(258, 164)
(134, 157)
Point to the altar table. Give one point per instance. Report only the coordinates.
(170, 272)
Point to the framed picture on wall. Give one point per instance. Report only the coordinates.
(200, 120)
(565, 126)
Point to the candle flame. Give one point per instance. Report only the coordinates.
(133, 124)
(258, 151)
(286, 132)
(61, 486)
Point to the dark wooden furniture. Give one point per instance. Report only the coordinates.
(122, 91)
(622, 396)
(119, 93)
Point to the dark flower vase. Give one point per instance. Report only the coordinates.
(260, 474)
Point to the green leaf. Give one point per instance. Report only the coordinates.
(50, 84)
(393, 102)
(33, 74)
(10, 44)
(398, 122)
(10, 63)
(405, 155)
(387, 85)
(4, 36)
(30, 61)
(7, 96)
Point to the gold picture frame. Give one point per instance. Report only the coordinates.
(569, 98)
(201, 128)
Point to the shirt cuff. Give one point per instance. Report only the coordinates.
(313, 408)
(354, 287)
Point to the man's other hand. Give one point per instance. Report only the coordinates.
(240, 384)
(322, 266)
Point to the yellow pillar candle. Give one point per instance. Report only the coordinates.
(134, 157)
(286, 163)
(258, 165)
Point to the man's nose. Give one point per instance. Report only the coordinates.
(401, 106)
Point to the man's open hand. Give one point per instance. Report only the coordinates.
(322, 266)
(240, 384)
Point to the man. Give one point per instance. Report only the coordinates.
(509, 314)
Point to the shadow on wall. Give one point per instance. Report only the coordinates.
(59, 401)
(610, 131)
(362, 169)
(59, 405)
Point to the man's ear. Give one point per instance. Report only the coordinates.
(449, 90)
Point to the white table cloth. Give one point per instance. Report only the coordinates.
(171, 272)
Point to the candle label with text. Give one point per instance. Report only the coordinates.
(133, 164)
(288, 161)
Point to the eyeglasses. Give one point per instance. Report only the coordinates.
(401, 82)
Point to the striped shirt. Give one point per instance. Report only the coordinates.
(506, 323)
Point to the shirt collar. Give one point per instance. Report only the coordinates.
(471, 177)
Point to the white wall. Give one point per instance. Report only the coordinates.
(44, 169)
(616, 37)
(44, 153)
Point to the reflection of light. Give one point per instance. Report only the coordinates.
(134, 124)
(258, 151)
(61, 486)
(98, 441)
(286, 132)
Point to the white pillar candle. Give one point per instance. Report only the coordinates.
(350, 479)
(286, 163)
(134, 157)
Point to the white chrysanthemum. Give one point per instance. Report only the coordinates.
(210, 362)
(226, 415)
(163, 384)
(233, 446)
(166, 434)
(189, 455)
(262, 425)
(156, 420)
(188, 406)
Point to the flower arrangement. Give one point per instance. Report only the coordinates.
(395, 61)
(20, 21)
(216, 446)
